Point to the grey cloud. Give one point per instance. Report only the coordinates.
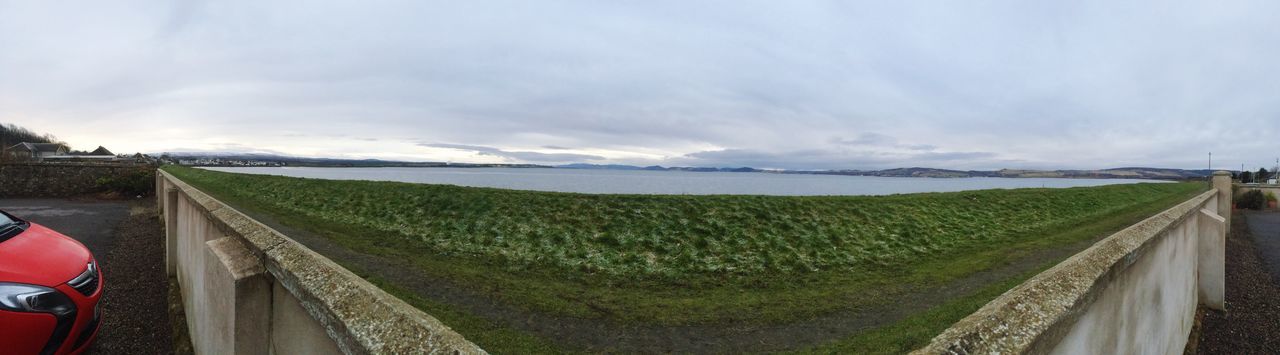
(837, 159)
(880, 140)
(867, 139)
(517, 155)
(1083, 84)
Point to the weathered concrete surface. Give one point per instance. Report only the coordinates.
(354, 316)
(208, 331)
(1212, 259)
(1134, 292)
(1141, 309)
(1222, 182)
(240, 292)
(169, 199)
(295, 332)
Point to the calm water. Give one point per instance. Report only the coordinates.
(670, 182)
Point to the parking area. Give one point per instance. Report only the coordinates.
(128, 242)
(88, 221)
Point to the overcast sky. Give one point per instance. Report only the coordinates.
(768, 84)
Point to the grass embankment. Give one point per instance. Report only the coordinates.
(682, 260)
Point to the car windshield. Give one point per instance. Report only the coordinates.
(8, 226)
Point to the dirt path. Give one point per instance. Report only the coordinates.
(135, 303)
(596, 335)
(1251, 324)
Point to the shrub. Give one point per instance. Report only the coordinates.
(1253, 199)
(1271, 196)
(139, 182)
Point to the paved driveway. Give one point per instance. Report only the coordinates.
(89, 222)
(1265, 227)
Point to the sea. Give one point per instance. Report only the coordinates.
(594, 181)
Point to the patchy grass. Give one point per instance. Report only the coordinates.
(916, 330)
(495, 338)
(677, 260)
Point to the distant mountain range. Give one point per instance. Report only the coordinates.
(1116, 173)
(660, 168)
(243, 159)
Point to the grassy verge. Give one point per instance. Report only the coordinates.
(677, 260)
(495, 338)
(916, 330)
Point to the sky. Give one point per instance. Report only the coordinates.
(766, 84)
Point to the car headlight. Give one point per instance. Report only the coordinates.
(32, 298)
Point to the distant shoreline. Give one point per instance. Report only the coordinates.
(1118, 173)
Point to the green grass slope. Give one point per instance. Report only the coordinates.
(672, 260)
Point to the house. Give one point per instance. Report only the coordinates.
(36, 151)
(101, 151)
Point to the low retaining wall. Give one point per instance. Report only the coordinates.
(1135, 292)
(247, 289)
(1242, 188)
(63, 180)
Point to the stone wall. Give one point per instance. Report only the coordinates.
(247, 289)
(1134, 292)
(64, 179)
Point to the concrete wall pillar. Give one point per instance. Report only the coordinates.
(170, 204)
(239, 288)
(1222, 182)
(1211, 259)
(159, 192)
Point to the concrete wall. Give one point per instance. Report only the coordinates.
(247, 289)
(1242, 188)
(61, 180)
(1134, 292)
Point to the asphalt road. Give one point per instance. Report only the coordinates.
(1265, 227)
(90, 222)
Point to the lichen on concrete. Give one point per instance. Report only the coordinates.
(1034, 316)
(358, 317)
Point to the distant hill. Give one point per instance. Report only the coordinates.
(656, 168)
(599, 166)
(1115, 173)
(240, 159)
(11, 134)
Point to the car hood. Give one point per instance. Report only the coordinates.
(40, 256)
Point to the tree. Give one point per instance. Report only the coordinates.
(1246, 177)
(11, 134)
(1262, 175)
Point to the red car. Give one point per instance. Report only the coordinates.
(49, 290)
